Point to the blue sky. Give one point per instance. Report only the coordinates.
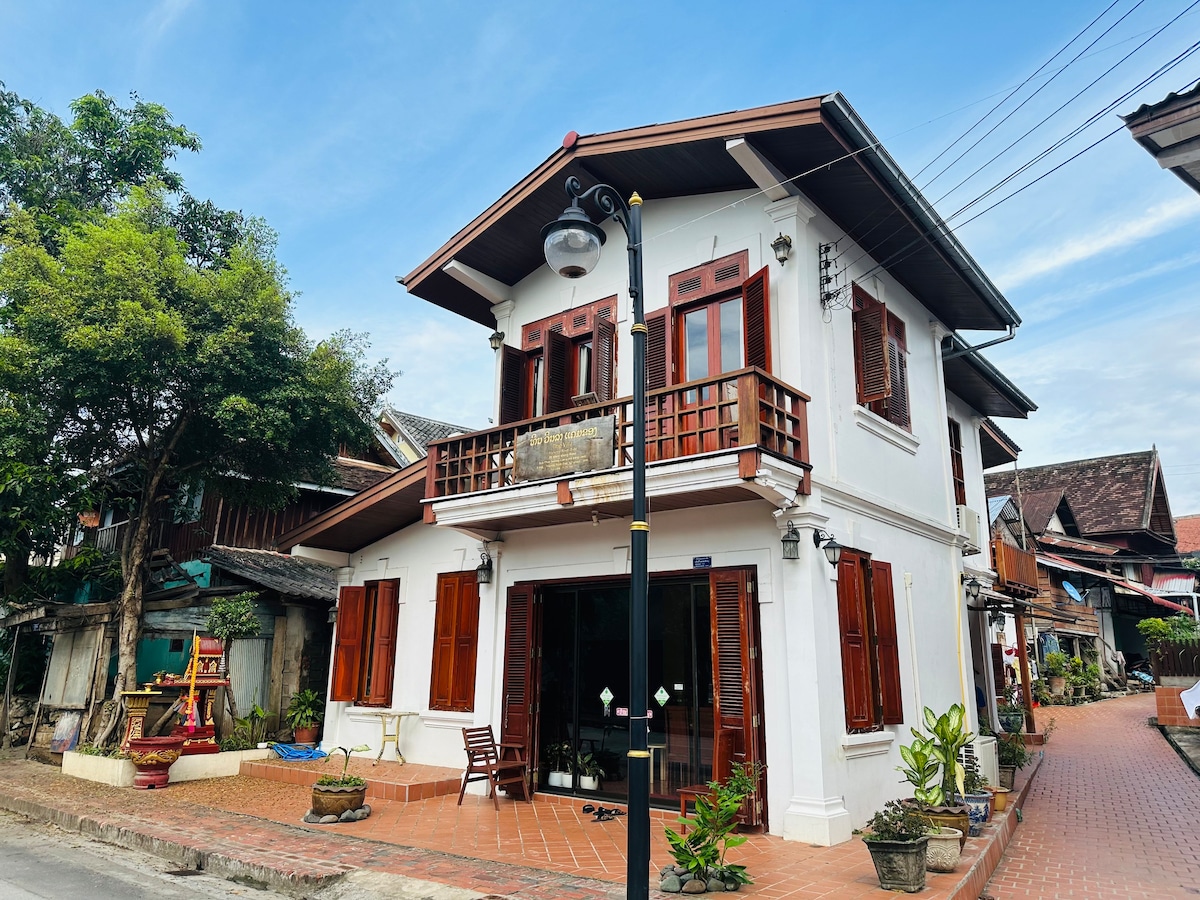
(366, 134)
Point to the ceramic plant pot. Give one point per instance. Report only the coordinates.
(1008, 775)
(944, 849)
(330, 800)
(900, 865)
(1000, 798)
(152, 758)
(306, 735)
(979, 807)
(956, 817)
(559, 779)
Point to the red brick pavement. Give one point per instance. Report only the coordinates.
(1114, 812)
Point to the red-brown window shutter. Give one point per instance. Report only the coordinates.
(557, 364)
(516, 725)
(873, 368)
(512, 385)
(347, 648)
(604, 344)
(441, 682)
(383, 650)
(856, 661)
(883, 604)
(658, 350)
(466, 635)
(756, 303)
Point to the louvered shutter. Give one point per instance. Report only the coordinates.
(756, 301)
(883, 605)
(516, 724)
(871, 353)
(658, 350)
(604, 349)
(466, 637)
(512, 385)
(737, 693)
(441, 681)
(347, 646)
(856, 660)
(383, 649)
(557, 360)
(897, 403)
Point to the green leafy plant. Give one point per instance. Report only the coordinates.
(973, 780)
(896, 822)
(561, 756)
(1011, 750)
(1179, 627)
(345, 779)
(1055, 664)
(587, 765)
(949, 737)
(920, 769)
(701, 852)
(305, 709)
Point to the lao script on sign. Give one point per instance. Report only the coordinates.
(583, 447)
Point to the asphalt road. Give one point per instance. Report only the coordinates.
(41, 861)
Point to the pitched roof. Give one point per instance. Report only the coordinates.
(1108, 494)
(1187, 534)
(820, 145)
(1040, 507)
(1170, 132)
(357, 474)
(290, 575)
(422, 431)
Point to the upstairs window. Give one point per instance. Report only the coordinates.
(564, 361)
(364, 655)
(956, 464)
(870, 652)
(717, 321)
(880, 360)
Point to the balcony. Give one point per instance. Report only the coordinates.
(732, 421)
(1016, 570)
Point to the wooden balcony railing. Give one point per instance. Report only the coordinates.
(747, 408)
(108, 539)
(1016, 568)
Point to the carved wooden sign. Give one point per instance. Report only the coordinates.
(583, 447)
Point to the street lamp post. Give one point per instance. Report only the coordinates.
(572, 245)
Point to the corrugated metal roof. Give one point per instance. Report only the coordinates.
(1174, 582)
(995, 505)
(290, 575)
(1057, 562)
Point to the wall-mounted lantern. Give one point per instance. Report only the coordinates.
(782, 246)
(791, 542)
(483, 572)
(823, 540)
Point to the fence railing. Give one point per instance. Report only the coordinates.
(1180, 658)
(747, 408)
(1016, 569)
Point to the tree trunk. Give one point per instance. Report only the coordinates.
(16, 571)
(230, 700)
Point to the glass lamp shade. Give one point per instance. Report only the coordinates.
(572, 243)
(833, 552)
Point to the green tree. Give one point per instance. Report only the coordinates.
(231, 618)
(163, 372)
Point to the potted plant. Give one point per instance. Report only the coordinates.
(590, 772)
(304, 715)
(1011, 754)
(946, 739)
(897, 839)
(944, 849)
(921, 770)
(1055, 666)
(333, 795)
(559, 757)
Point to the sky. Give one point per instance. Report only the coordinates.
(367, 133)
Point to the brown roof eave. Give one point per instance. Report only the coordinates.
(797, 112)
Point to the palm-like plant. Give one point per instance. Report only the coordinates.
(949, 737)
(920, 769)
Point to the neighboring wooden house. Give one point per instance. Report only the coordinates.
(1104, 541)
(827, 394)
(206, 546)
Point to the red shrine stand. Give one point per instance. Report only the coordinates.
(198, 731)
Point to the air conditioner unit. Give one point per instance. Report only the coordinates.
(968, 524)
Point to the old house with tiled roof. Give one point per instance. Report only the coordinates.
(1187, 535)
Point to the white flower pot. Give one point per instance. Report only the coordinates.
(560, 779)
(589, 783)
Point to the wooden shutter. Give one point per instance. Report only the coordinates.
(516, 723)
(897, 403)
(883, 606)
(604, 351)
(856, 660)
(756, 302)
(871, 363)
(466, 639)
(383, 644)
(347, 647)
(737, 694)
(557, 375)
(441, 680)
(659, 365)
(512, 385)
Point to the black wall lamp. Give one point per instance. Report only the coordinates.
(483, 572)
(496, 340)
(791, 542)
(782, 246)
(972, 587)
(823, 540)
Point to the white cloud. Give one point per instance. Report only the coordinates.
(1105, 239)
(161, 18)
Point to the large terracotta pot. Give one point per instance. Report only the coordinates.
(333, 801)
(306, 735)
(152, 758)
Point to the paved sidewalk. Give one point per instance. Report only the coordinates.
(1114, 812)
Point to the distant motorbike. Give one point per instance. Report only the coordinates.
(1139, 673)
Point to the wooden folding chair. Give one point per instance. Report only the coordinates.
(499, 764)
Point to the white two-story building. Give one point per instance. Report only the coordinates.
(804, 376)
